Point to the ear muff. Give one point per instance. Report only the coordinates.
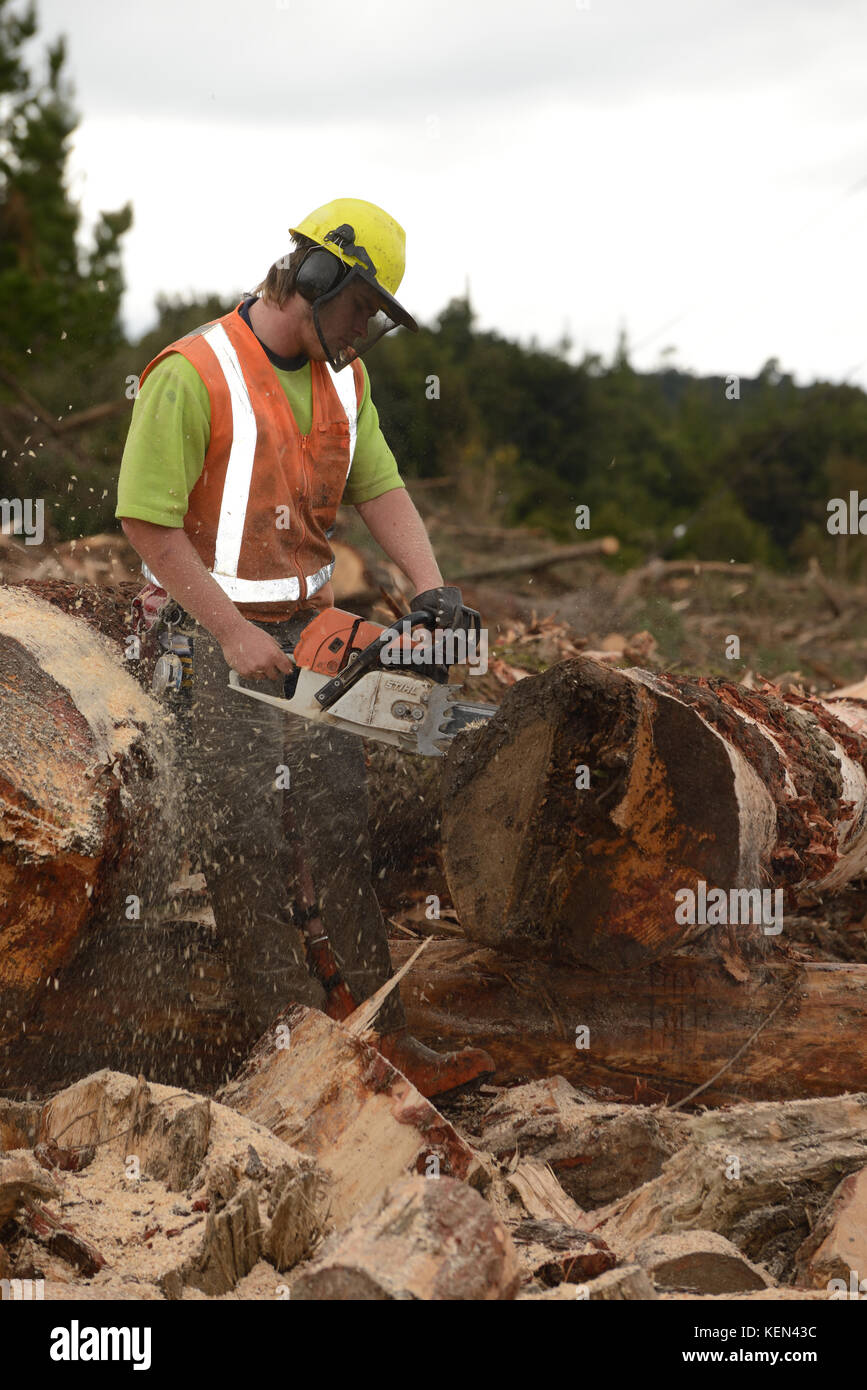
(318, 273)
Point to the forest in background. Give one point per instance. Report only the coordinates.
(666, 461)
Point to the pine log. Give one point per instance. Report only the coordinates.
(86, 775)
(596, 1150)
(699, 1262)
(759, 1175)
(655, 1033)
(687, 785)
(419, 1239)
(329, 1094)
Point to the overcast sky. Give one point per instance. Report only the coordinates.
(692, 170)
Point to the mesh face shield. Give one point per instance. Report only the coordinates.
(353, 316)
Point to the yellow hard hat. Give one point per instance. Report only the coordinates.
(363, 235)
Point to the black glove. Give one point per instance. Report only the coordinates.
(446, 606)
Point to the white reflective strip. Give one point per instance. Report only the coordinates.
(258, 590)
(316, 581)
(344, 384)
(271, 590)
(239, 470)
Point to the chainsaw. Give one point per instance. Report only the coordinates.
(342, 677)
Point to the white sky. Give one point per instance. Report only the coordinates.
(692, 170)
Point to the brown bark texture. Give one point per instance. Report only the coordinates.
(576, 817)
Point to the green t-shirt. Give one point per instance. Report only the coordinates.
(171, 428)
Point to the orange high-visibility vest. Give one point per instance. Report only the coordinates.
(267, 494)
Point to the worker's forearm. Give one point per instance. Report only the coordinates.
(395, 524)
(169, 554)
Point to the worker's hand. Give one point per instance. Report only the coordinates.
(255, 655)
(446, 605)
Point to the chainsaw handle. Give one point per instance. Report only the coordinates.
(422, 618)
(290, 682)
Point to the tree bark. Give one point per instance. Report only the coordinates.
(757, 1174)
(577, 818)
(86, 778)
(652, 1034)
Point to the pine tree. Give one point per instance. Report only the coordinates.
(56, 300)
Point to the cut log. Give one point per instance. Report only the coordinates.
(758, 1174)
(550, 1252)
(86, 774)
(659, 1033)
(422, 1238)
(330, 1095)
(699, 1262)
(626, 1284)
(579, 819)
(597, 1151)
(836, 1248)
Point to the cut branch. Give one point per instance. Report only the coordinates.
(608, 545)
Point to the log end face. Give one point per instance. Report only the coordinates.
(572, 818)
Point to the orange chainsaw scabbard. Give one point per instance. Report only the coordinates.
(326, 642)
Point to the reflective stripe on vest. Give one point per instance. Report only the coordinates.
(344, 385)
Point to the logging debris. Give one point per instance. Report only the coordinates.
(183, 1196)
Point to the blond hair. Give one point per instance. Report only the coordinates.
(279, 283)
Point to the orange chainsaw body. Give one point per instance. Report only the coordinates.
(328, 640)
